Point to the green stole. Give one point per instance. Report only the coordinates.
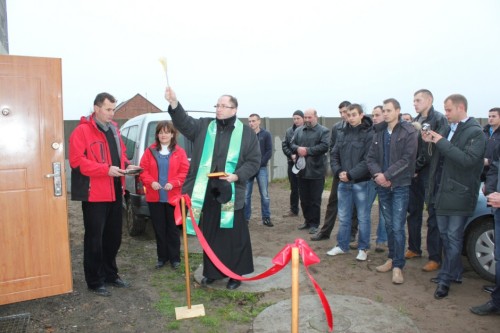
(201, 181)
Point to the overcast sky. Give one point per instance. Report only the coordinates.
(274, 56)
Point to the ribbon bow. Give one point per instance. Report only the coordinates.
(280, 260)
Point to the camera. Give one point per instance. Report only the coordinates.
(426, 127)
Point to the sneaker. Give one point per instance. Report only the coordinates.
(386, 267)
(362, 255)
(410, 255)
(380, 247)
(290, 214)
(431, 266)
(336, 250)
(397, 276)
(267, 222)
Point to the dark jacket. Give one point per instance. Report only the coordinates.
(403, 153)
(196, 130)
(333, 134)
(461, 162)
(492, 144)
(286, 144)
(438, 123)
(90, 160)
(266, 146)
(315, 139)
(350, 150)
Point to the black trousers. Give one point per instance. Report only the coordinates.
(310, 191)
(332, 210)
(168, 242)
(294, 190)
(102, 240)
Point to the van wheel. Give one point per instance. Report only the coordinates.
(480, 248)
(135, 224)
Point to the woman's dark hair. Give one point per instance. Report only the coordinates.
(167, 126)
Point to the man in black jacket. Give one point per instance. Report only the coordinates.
(454, 182)
(332, 206)
(311, 144)
(422, 101)
(298, 120)
(348, 162)
(220, 145)
(391, 161)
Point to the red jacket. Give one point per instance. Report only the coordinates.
(177, 171)
(90, 159)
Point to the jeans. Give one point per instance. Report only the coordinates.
(354, 195)
(434, 243)
(262, 181)
(331, 212)
(451, 229)
(294, 190)
(415, 211)
(310, 191)
(381, 232)
(495, 296)
(394, 203)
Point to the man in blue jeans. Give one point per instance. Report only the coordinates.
(348, 163)
(266, 150)
(391, 161)
(454, 181)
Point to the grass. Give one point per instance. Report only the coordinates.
(223, 308)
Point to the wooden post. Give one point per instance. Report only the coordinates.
(186, 253)
(295, 290)
(186, 311)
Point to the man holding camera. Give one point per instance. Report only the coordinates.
(428, 117)
(454, 183)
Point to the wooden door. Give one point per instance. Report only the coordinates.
(34, 237)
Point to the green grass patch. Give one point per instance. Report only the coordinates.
(223, 308)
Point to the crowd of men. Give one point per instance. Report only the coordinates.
(433, 158)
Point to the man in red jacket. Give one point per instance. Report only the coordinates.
(98, 161)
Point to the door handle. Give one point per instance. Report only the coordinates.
(56, 168)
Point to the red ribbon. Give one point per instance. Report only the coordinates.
(280, 260)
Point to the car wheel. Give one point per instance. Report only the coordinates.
(480, 248)
(135, 224)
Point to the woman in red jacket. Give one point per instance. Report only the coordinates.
(165, 167)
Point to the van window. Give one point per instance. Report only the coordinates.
(150, 134)
(129, 136)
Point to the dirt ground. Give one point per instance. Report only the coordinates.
(133, 309)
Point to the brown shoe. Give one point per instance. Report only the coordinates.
(385, 267)
(397, 276)
(431, 266)
(290, 214)
(410, 254)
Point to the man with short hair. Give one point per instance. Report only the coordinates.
(298, 120)
(423, 104)
(230, 149)
(310, 145)
(348, 163)
(454, 181)
(98, 161)
(492, 192)
(391, 161)
(492, 135)
(332, 206)
(266, 151)
(406, 117)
